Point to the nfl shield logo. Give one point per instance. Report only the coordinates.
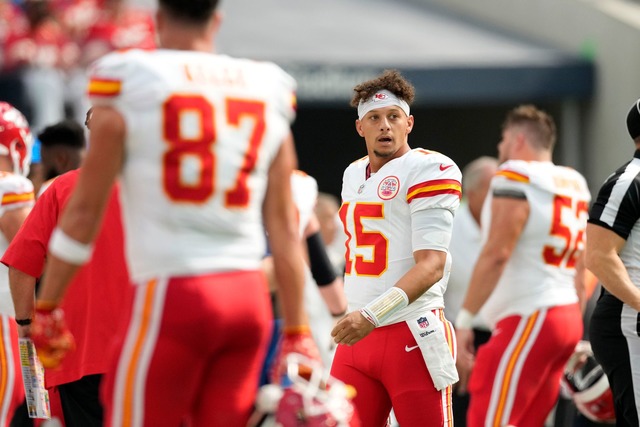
(423, 322)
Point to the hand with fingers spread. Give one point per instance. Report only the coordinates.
(351, 329)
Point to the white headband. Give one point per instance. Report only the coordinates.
(381, 99)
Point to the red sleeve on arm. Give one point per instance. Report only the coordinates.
(28, 249)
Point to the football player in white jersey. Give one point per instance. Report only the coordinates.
(323, 284)
(16, 201)
(204, 153)
(395, 345)
(528, 278)
(324, 290)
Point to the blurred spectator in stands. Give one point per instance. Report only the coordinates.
(112, 25)
(118, 26)
(77, 16)
(41, 52)
(12, 20)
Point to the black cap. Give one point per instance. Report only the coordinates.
(633, 120)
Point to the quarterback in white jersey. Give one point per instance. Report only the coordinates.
(376, 211)
(528, 278)
(395, 345)
(204, 151)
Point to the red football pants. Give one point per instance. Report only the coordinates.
(11, 387)
(516, 376)
(388, 370)
(192, 352)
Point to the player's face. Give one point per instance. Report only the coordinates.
(385, 131)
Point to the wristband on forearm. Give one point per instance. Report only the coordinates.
(382, 308)
(44, 306)
(464, 320)
(294, 330)
(69, 249)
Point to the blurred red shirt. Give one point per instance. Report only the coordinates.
(100, 294)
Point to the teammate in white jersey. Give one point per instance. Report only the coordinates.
(466, 242)
(396, 347)
(324, 290)
(527, 278)
(204, 151)
(16, 201)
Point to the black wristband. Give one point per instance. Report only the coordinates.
(23, 322)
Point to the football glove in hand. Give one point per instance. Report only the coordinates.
(295, 339)
(51, 337)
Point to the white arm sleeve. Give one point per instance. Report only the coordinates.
(431, 229)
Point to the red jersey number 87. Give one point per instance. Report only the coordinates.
(200, 146)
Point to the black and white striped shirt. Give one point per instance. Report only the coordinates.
(617, 208)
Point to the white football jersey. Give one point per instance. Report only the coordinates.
(305, 194)
(377, 211)
(202, 132)
(541, 270)
(16, 192)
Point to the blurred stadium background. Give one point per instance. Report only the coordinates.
(470, 62)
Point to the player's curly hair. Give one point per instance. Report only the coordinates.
(193, 11)
(390, 80)
(539, 125)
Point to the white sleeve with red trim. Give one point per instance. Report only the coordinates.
(16, 192)
(435, 182)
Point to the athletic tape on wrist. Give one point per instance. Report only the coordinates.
(68, 249)
(464, 320)
(382, 308)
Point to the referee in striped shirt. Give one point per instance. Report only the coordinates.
(613, 255)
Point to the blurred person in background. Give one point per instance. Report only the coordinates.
(62, 148)
(12, 20)
(94, 304)
(108, 25)
(466, 242)
(325, 300)
(16, 201)
(528, 278)
(41, 53)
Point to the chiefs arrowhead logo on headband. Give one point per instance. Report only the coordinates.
(383, 98)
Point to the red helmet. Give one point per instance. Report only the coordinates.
(16, 140)
(320, 401)
(587, 385)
